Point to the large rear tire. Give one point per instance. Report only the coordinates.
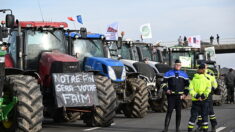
(139, 105)
(104, 113)
(27, 114)
(223, 92)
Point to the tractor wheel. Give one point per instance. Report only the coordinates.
(223, 88)
(159, 105)
(223, 92)
(104, 113)
(138, 90)
(27, 114)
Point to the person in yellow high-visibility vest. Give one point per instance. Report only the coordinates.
(199, 89)
(211, 77)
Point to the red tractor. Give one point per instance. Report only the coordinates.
(39, 49)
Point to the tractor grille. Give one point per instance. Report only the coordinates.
(118, 71)
(65, 67)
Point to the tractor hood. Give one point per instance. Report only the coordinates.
(105, 61)
(113, 69)
(56, 62)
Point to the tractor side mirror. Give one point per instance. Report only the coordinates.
(10, 20)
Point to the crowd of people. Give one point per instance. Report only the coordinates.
(201, 88)
(184, 40)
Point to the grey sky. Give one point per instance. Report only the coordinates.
(168, 18)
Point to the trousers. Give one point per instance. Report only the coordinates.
(199, 107)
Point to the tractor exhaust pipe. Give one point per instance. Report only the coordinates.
(19, 48)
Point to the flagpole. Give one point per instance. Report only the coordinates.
(74, 25)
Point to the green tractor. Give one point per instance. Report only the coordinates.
(191, 58)
(20, 97)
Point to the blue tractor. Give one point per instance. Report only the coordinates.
(131, 92)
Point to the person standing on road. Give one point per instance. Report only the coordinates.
(199, 89)
(217, 38)
(211, 39)
(175, 83)
(230, 81)
(211, 77)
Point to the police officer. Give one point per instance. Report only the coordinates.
(199, 89)
(211, 77)
(175, 82)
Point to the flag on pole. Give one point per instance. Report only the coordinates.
(194, 41)
(112, 32)
(79, 19)
(70, 18)
(145, 30)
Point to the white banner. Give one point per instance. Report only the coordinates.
(145, 30)
(112, 32)
(211, 52)
(194, 41)
(185, 61)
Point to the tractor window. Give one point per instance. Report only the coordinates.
(125, 52)
(87, 48)
(39, 41)
(146, 52)
(186, 57)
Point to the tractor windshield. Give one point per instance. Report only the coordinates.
(186, 58)
(126, 52)
(39, 41)
(146, 52)
(88, 48)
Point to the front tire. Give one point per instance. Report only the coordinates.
(139, 105)
(104, 113)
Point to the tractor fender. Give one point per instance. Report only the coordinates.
(17, 71)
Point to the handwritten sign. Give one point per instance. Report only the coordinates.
(75, 89)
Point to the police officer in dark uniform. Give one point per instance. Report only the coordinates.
(175, 82)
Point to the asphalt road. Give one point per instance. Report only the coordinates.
(153, 122)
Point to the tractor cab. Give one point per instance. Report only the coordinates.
(190, 58)
(89, 49)
(37, 37)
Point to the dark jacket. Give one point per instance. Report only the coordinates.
(230, 79)
(177, 81)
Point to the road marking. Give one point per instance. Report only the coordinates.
(90, 129)
(94, 128)
(220, 129)
(113, 124)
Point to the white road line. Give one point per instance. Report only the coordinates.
(220, 129)
(113, 124)
(90, 129)
(94, 128)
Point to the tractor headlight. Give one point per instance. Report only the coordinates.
(2, 59)
(111, 72)
(123, 73)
